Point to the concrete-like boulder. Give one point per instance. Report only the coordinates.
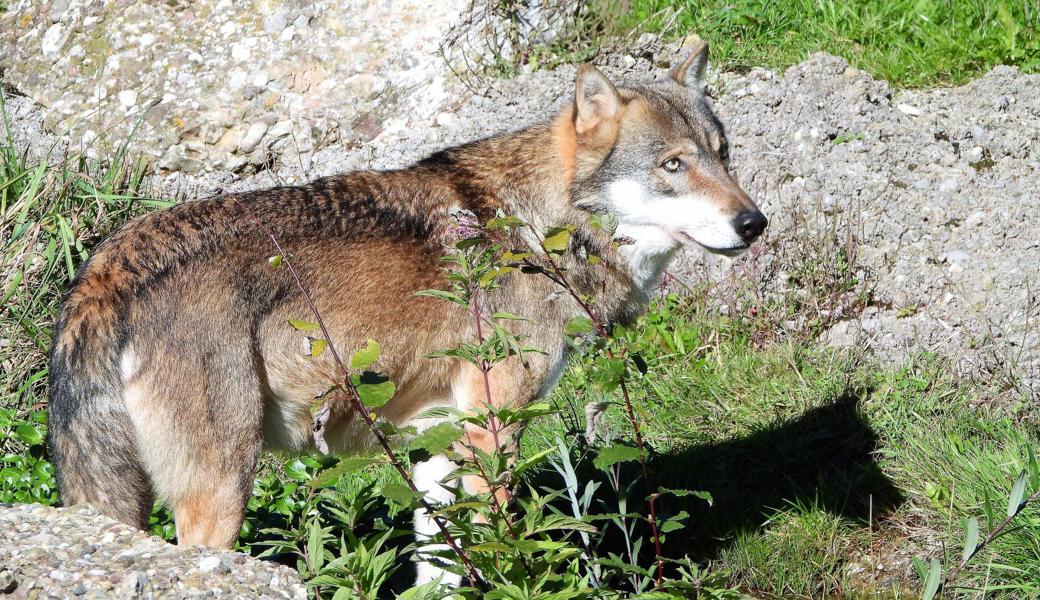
(76, 552)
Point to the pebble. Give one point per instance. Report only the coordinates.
(252, 138)
(913, 111)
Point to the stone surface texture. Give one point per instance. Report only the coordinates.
(79, 553)
(222, 84)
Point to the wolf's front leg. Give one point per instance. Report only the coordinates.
(428, 477)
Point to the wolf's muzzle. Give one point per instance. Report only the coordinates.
(750, 224)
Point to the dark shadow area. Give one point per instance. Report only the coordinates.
(823, 458)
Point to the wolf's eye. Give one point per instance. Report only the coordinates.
(672, 165)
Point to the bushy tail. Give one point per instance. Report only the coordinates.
(92, 439)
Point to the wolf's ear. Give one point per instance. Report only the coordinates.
(690, 72)
(595, 98)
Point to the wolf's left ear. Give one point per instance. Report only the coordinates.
(595, 98)
(690, 72)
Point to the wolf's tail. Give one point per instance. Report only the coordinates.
(92, 439)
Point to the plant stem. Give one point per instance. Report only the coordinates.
(355, 399)
(993, 534)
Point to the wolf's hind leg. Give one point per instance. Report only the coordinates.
(211, 517)
(199, 423)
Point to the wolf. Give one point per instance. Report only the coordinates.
(172, 364)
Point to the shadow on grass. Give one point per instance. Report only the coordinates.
(822, 458)
(825, 458)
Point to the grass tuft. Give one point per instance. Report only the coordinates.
(911, 43)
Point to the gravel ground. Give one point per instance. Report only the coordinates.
(78, 553)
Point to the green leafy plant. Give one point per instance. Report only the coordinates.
(25, 473)
(934, 582)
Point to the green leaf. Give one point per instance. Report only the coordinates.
(489, 547)
(297, 470)
(374, 389)
(366, 356)
(971, 537)
(612, 455)
(317, 346)
(275, 261)
(438, 438)
(443, 295)
(506, 221)
(511, 256)
(531, 411)
(920, 568)
(487, 278)
(299, 325)
(578, 326)
(29, 434)
(675, 523)
(346, 466)
(1034, 468)
(507, 316)
(399, 493)
(608, 373)
(557, 239)
(695, 493)
(1018, 494)
(470, 242)
(531, 461)
(931, 582)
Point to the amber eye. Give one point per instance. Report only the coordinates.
(672, 165)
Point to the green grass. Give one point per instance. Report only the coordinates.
(817, 460)
(911, 43)
(50, 215)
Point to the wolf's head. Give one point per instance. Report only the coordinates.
(655, 157)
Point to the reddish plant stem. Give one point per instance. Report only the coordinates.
(485, 371)
(355, 399)
(601, 328)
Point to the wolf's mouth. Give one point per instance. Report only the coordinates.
(687, 240)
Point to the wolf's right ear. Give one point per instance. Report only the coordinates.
(690, 72)
(595, 98)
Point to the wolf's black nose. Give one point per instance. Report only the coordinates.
(750, 224)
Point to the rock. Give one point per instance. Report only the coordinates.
(913, 111)
(252, 138)
(293, 62)
(121, 565)
(275, 23)
(127, 99)
(52, 40)
(209, 563)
